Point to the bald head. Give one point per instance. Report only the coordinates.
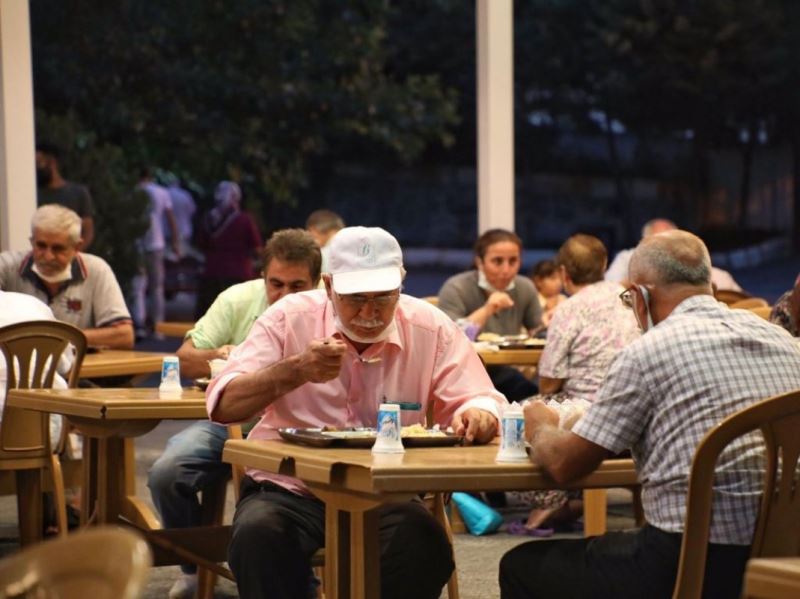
(671, 258)
(656, 226)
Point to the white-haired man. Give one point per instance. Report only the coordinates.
(328, 357)
(79, 288)
(697, 363)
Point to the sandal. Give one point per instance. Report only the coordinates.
(517, 527)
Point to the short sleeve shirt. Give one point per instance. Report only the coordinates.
(586, 333)
(71, 195)
(91, 298)
(159, 203)
(230, 317)
(460, 296)
(668, 388)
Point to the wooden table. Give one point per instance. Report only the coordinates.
(121, 362)
(510, 357)
(352, 483)
(772, 578)
(174, 328)
(109, 419)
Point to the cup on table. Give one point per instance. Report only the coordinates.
(216, 365)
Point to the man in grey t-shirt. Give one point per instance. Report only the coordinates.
(498, 300)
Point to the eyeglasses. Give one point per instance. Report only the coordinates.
(357, 301)
(626, 297)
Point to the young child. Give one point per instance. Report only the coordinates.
(548, 283)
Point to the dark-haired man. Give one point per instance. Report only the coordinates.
(193, 458)
(52, 188)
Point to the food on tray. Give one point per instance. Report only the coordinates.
(491, 337)
(415, 430)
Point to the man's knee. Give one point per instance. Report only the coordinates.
(162, 474)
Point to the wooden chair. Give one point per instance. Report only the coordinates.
(749, 303)
(32, 351)
(777, 532)
(772, 578)
(101, 563)
(728, 296)
(762, 311)
(432, 299)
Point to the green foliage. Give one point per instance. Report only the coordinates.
(250, 90)
(120, 217)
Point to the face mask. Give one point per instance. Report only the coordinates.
(59, 277)
(484, 283)
(646, 297)
(382, 336)
(43, 177)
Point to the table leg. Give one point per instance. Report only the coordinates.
(337, 558)
(595, 504)
(89, 490)
(365, 554)
(29, 506)
(110, 479)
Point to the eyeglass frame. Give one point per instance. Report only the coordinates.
(357, 301)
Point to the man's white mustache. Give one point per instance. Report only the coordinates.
(367, 324)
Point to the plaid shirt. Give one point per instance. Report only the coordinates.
(666, 390)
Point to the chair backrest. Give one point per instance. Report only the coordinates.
(729, 296)
(32, 351)
(750, 303)
(432, 299)
(777, 532)
(101, 563)
(762, 311)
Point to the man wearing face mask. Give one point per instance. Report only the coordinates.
(697, 363)
(498, 300)
(79, 288)
(52, 188)
(329, 357)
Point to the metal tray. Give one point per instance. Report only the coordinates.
(537, 344)
(317, 438)
(202, 382)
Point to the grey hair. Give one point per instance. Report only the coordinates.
(672, 257)
(58, 219)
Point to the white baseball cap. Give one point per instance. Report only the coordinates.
(364, 260)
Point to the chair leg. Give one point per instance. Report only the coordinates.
(638, 509)
(213, 513)
(59, 496)
(440, 514)
(29, 506)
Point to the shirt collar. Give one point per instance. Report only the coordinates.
(78, 273)
(695, 301)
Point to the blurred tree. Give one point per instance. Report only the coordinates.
(111, 178)
(248, 90)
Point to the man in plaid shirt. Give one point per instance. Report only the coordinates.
(698, 363)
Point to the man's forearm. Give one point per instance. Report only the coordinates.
(194, 361)
(118, 336)
(564, 455)
(248, 394)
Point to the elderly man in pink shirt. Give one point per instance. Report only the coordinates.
(329, 357)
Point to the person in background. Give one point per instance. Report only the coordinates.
(149, 282)
(585, 335)
(315, 359)
(497, 299)
(79, 288)
(721, 280)
(230, 239)
(547, 280)
(192, 460)
(183, 209)
(52, 188)
(696, 364)
(786, 311)
(323, 225)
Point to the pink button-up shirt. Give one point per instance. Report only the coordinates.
(425, 359)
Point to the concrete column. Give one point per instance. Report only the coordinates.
(17, 146)
(495, 30)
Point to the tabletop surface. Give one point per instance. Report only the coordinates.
(117, 403)
(121, 362)
(418, 469)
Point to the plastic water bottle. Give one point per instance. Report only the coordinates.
(387, 438)
(170, 386)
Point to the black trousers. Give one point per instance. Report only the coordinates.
(511, 382)
(275, 533)
(640, 564)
